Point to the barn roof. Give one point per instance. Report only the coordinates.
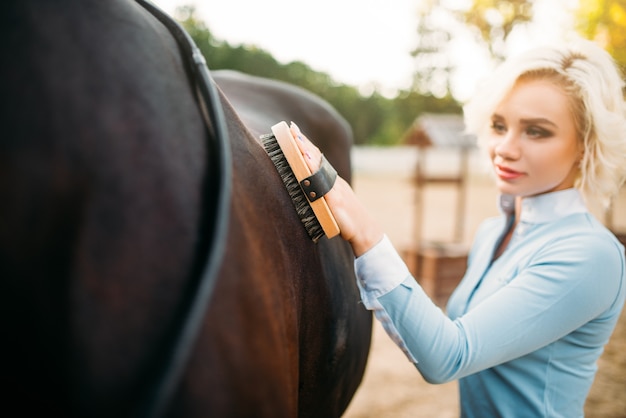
(439, 130)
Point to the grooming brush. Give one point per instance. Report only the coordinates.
(282, 149)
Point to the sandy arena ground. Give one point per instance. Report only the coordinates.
(392, 388)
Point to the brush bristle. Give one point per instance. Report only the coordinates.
(300, 202)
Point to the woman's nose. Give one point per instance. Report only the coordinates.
(508, 146)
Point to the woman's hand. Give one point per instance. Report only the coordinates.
(357, 226)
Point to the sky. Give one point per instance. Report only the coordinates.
(362, 43)
(357, 42)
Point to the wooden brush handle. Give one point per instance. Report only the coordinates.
(300, 169)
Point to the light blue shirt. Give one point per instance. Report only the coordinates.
(523, 332)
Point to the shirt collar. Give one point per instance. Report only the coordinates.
(545, 207)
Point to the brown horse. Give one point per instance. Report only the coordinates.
(282, 101)
(104, 207)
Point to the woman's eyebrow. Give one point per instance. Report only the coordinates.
(497, 116)
(538, 121)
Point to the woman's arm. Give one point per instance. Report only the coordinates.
(566, 286)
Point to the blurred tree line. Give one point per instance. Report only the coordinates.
(379, 120)
(375, 119)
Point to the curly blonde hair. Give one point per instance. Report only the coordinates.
(592, 81)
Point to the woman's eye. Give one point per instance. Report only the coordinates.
(498, 127)
(536, 132)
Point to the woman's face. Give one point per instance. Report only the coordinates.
(533, 142)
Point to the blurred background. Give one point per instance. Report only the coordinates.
(383, 63)
(399, 72)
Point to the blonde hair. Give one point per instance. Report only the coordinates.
(592, 81)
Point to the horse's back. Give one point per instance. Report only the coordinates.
(313, 283)
(262, 102)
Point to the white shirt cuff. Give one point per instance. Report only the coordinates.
(379, 271)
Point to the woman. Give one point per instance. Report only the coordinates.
(545, 281)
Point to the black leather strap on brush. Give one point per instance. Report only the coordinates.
(320, 183)
(285, 154)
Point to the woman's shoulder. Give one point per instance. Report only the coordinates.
(580, 252)
(584, 242)
(588, 230)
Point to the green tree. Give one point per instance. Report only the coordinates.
(605, 22)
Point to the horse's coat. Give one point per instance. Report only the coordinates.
(102, 158)
(277, 100)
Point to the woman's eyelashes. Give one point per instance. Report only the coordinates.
(537, 132)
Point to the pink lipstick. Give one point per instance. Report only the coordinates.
(506, 173)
